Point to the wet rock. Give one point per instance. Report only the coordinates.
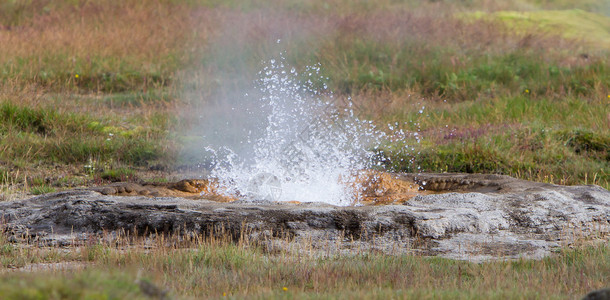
(187, 188)
(603, 294)
(469, 216)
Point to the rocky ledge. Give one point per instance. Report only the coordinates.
(466, 216)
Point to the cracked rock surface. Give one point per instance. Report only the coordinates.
(469, 216)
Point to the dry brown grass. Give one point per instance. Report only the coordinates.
(52, 44)
(146, 30)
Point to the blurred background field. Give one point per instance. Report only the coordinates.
(89, 88)
(100, 91)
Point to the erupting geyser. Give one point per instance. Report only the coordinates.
(307, 149)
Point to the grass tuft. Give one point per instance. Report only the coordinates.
(25, 119)
(118, 174)
(42, 189)
(588, 143)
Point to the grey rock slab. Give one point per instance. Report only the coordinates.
(474, 217)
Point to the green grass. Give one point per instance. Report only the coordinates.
(592, 28)
(44, 134)
(43, 189)
(118, 174)
(511, 136)
(108, 285)
(451, 74)
(26, 119)
(600, 7)
(214, 269)
(404, 48)
(131, 99)
(99, 74)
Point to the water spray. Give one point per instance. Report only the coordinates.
(310, 149)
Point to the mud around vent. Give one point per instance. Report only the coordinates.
(376, 188)
(463, 216)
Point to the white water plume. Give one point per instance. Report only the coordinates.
(309, 146)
